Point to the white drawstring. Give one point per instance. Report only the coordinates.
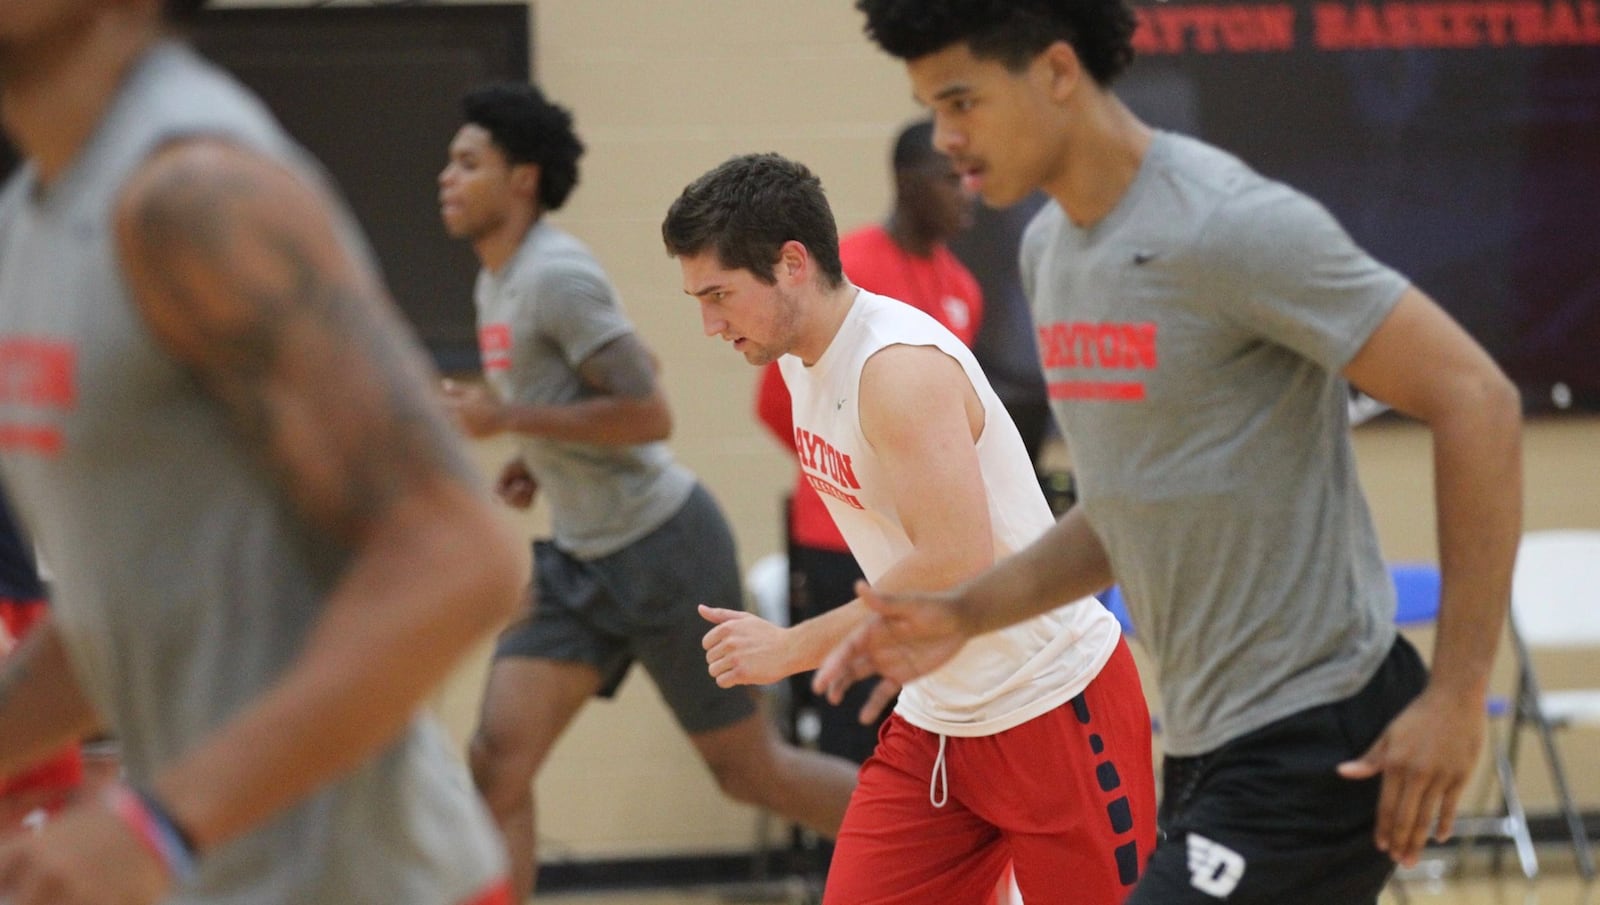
(939, 784)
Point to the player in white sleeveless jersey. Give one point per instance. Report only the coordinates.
(1032, 745)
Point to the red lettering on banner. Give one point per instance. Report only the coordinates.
(1338, 25)
(1527, 23)
(1214, 28)
(494, 346)
(1562, 26)
(1454, 24)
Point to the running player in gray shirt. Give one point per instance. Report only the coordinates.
(269, 545)
(638, 542)
(1198, 326)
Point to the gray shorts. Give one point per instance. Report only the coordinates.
(639, 604)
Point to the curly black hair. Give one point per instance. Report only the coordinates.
(1012, 32)
(746, 209)
(529, 129)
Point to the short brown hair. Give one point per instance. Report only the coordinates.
(746, 209)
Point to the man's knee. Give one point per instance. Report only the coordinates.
(748, 772)
(747, 780)
(501, 768)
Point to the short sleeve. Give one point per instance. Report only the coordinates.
(577, 311)
(1287, 271)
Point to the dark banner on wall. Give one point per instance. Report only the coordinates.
(1458, 141)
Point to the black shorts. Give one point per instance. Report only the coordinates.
(639, 604)
(1266, 819)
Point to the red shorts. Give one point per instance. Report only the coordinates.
(1067, 797)
(51, 780)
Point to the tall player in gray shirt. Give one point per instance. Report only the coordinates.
(1198, 326)
(637, 541)
(269, 546)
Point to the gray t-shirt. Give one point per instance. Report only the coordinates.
(546, 311)
(185, 583)
(1192, 341)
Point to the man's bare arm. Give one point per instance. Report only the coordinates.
(42, 706)
(1422, 363)
(628, 407)
(243, 274)
(911, 633)
(922, 417)
(1064, 564)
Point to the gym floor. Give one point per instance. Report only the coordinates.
(1435, 882)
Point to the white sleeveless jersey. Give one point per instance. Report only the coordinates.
(1001, 679)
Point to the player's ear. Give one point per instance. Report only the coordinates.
(1061, 68)
(794, 261)
(525, 179)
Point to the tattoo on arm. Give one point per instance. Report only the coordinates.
(622, 367)
(242, 271)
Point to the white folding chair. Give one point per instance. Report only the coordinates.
(767, 583)
(1555, 608)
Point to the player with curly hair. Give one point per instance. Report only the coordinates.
(1199, 326)
(638, 541)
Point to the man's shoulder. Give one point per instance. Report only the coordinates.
(1220, 187)
(553, 259)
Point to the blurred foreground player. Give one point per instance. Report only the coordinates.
(272, 546)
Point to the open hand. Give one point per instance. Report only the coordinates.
(1426, 755)
(84, 856)
(906, 637)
